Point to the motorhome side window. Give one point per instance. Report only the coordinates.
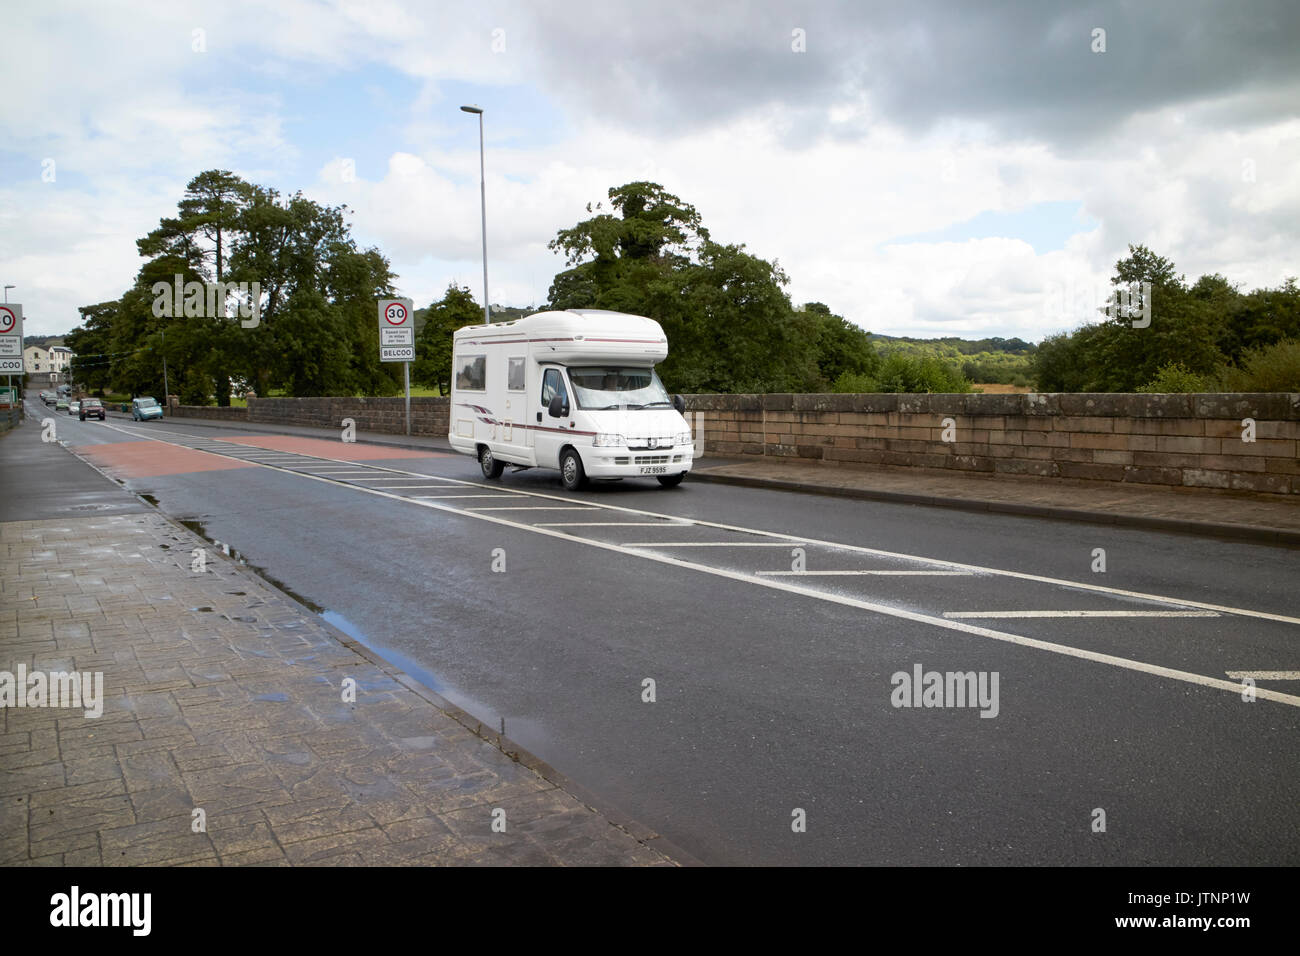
(515, 374)
(552, 384)
(471, 372)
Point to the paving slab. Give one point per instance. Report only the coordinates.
(1273, 519)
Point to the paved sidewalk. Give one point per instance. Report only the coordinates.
(1270, 518)
(223, 695)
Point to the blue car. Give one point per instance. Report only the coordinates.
(143, 409)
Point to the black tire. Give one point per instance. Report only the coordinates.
(492, 468)
(671, 481)
(572, 475)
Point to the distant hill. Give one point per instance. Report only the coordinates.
(983, 361)
(964, 346)
(44, 341)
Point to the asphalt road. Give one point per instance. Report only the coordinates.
(774, 684)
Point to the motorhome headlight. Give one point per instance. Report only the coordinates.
(684, 438)
(609, 441)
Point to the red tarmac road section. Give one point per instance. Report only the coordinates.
(326, 448)
(141, 459)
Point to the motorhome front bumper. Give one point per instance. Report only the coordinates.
(635, 463)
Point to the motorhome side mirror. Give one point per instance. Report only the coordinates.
(679, 403)
(559, 407)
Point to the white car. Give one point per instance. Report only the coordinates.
(74, 408)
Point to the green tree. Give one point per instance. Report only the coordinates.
(306, 344)
(1261, 318)
(617, 256)
(455, 310)
(316, 333)
(287, 245)
(729, 322)
(730, 326)
(91, 343)
(1115, 356)
(840, 347)
(197, 241)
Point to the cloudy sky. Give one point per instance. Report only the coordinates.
(936, 167)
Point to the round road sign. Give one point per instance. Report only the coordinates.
(395, 314)
(9, 319)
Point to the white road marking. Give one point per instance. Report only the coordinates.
(712, 544)
(423, 484)
(1265, 675)
(610, 524)
(498, 497)
(538, 508)
(995, 614)
(935, 574)
(790, 588)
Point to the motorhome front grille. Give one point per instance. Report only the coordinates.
(621, 460)
(652, 459)
(639, 444)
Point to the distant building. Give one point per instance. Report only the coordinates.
(52, 361)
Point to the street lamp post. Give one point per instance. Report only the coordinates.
(167, 399)
(482, 189)
(7, 288)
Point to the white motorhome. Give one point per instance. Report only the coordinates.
(573, 390)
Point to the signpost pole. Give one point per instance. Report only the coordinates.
(397, 340)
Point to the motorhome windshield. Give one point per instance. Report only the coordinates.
(597, 387)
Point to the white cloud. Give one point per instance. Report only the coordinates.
(811, 168)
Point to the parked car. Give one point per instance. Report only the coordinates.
(47, 398)
(143, 409)
(74, 408)
(92, 408)
(61, 403)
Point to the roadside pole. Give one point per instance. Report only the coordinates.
(397, 340)
(167, 399)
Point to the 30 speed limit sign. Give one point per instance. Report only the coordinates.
(396, 330)
(11, 339)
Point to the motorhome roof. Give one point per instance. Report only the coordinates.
(575, 335)
(569, 321)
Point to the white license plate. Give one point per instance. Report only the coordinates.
(654, 469)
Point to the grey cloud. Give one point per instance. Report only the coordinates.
(1023, 68)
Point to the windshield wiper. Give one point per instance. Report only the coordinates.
(658, 402)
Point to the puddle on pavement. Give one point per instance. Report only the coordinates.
(423, 675)
(529, 734)
(526, 733)
(233, 553)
